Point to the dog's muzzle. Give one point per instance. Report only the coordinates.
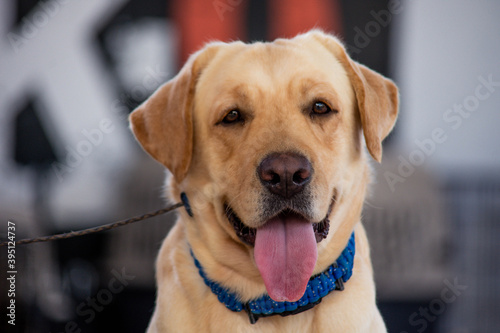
(247, 234)
(285, 176)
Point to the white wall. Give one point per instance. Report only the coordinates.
(444, 51)
(53, 54)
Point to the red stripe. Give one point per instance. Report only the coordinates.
(287, 18)
(201, 21)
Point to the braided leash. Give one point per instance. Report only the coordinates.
(96, 229)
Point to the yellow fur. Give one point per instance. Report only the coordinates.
(272, 83)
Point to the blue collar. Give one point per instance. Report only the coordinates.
(319, 286)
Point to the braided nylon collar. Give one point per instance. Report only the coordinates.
(319, 286)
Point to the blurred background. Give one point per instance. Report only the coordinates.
(72, 70)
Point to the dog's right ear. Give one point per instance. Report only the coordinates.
(163, 124)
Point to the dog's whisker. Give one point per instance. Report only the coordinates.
(368, 203)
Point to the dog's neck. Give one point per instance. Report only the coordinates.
(318, 287)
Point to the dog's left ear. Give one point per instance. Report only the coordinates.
(377, 96)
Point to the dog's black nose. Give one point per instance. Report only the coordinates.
(285, 174)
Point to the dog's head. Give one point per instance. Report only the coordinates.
(266, 139)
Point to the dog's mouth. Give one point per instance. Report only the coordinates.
(285, 249)
(247, 234)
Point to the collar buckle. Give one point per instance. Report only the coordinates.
(339, 283)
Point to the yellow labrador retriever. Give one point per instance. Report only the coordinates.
(266, 144)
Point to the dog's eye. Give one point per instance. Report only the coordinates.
(232, 116)
(319, 108)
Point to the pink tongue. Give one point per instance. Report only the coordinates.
(285, 253)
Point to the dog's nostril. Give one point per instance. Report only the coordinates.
(270, 177)
(275, 180)
(300, 177)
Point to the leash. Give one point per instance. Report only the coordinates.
(105, 227)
